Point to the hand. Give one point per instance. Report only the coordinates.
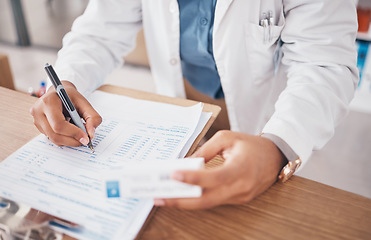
(49, 119)
(251, 166)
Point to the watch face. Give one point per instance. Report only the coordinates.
(289, 170)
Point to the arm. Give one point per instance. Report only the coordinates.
(96, 44)
(98, 41)
(319, 59)
(320, 62)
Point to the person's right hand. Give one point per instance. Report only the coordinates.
(50, 117)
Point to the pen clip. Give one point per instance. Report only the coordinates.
(264, 22)
(270, 24)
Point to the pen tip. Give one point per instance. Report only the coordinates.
(47, 65)
(90, 145)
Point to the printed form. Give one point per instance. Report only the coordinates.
(64, 181)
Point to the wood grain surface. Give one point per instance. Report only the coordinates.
(298, 209)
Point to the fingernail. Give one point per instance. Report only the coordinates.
(177, 176)
(159, 202)
(92, 132)
(84, 141)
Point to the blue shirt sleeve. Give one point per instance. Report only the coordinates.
(196, 46)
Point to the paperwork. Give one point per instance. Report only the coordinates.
(152, 180)
(64, 181)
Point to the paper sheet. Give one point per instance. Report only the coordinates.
(64, 182)
(205, 116)
(152, 180)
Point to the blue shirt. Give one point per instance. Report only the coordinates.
(196, 48)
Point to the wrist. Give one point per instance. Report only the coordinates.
(290, 161)
(277, 158)
(282, 158)
(285, 149)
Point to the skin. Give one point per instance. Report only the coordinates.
(251, 165)
(50, 120)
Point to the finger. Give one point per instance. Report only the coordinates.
(219, 142)
(209, 199)
(91, 117)
(58, 139)
(60, 126)
(39, 127)
(47, 113)
(206, 178)
(35, 116)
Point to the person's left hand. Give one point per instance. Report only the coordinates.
(251, 166)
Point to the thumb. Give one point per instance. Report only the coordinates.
(91, 117)
(92, 120)
(221, 141)
(86, 111)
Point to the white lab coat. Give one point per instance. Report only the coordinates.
(302, 103)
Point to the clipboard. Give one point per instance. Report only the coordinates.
(214, 109)
(18, 105)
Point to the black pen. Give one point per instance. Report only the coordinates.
(66, 101)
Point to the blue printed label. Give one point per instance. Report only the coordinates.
(361, 58)
(113, 190)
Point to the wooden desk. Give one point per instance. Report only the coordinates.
(298, 209)
(6, 78)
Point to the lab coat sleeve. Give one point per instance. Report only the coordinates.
(319, 59)
(98, 41)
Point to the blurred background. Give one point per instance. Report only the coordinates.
(31, 34)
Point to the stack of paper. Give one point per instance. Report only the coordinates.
(64, 181)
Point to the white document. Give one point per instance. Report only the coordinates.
(64, 181)
(151, 180)
(205, 116)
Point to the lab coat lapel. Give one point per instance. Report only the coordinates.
(220, 10)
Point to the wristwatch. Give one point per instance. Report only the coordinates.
(293, 159)
(288, 170)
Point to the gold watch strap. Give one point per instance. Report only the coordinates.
(288, 170)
